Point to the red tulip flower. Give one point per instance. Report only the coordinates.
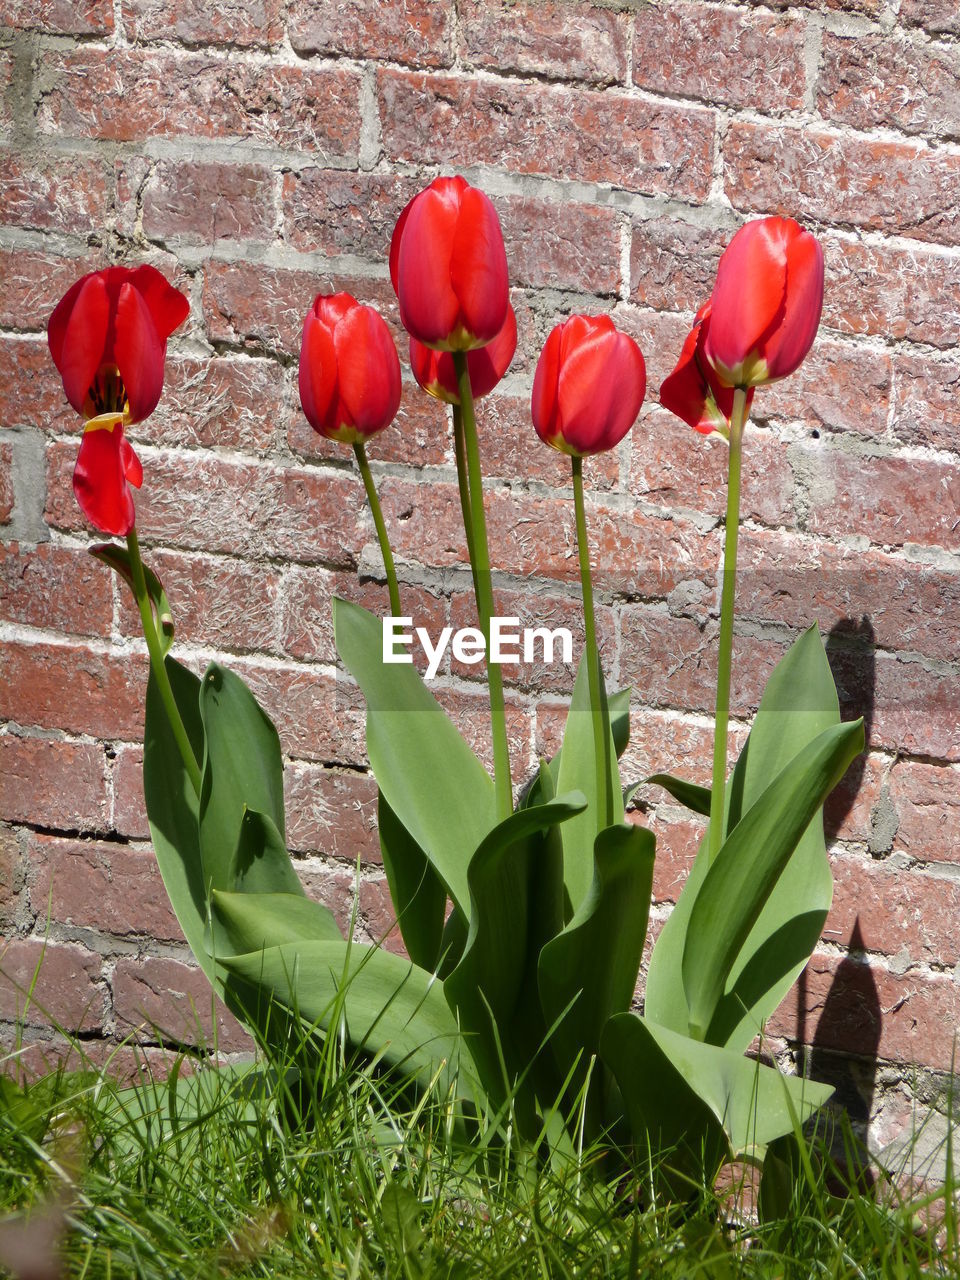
(588, 387)
(766, 303)
(449, 267)
(108, 338)
(435, 372)
(693, 391)
(349, 369)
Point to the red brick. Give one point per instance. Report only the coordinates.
(129, 816)
(33, 282)
(838, 387)
(419, 436)
(212, 504)
(333, 211)
(926, 402)
(418, 32)
(511, 450)
(143, 93)
(11, 876)
(891, 500)
(892, 292)
(662, 741)
(59, 785)
(247, 23)
(31, 393)
(940, 17)
(71, 687)
(871, 81)
(470, 712)
(673, 467)
(926, 798)
(67, 989)
(217, 603)
(56, 588)
(331, 812)
(868, 8)
(6, 482)
(561, 246)
(899, 188)
(65, 193)
(673, 265)
(899, 913)
(677, 843)
(318, 716)
(545, 39)
(159, 995)
(858, 806)
(195, 203)
(114, 888)
(59, 17)
(364, 902)
(660, 336)
(554, 131)
(737, 59)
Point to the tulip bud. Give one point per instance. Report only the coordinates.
(588, 387)
(449, 267)
(349, 370)
(766, 303)
(435, 372)
(693, 391)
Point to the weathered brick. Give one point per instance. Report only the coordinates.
(561, 246)
(511, 450)
(56, 588)
(11, 875)
(161, 996)
(64, 686)
(216, 602)
(926, 800)
(551, 39)
(926, 402)
(419, 435)
(318, 716)
(335, 212)
(59, 785)
(59, 17)
(660, 336)
(363, 901)
(677, 843)
(6, 482)
(31, 393)
(418, 32)
(109, 887)
(940, 17)
(331, 812)
(220, 401)
(554, 131)
(144, 93)
(673, 265)
(247, 23)
(62, 193)
(470, 712)
(32, 282)
(190, 202)
(872, 81)
(129, 813)
(736, 58)
(839, 387)
(868, 8)
(895, 187)
(67, 990)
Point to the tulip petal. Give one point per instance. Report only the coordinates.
(318, 373)
(478, 268)
(139, 352)
(132, 466)
(804, 303)
(100, 480)
(748, 299)
(429, 307)
(601, 386)
(80, 341)
(543, 401)
(368, 369)
(168, 307)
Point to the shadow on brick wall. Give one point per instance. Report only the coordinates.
(851, 652)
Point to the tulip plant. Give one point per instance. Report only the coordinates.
(524, 920)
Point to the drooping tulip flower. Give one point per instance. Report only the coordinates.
(766, 303)
(108, 338)
(449, 267)
(693, 391)
(435, 372)
(588, 387)
(349, 369)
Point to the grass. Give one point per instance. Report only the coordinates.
(243, 1172)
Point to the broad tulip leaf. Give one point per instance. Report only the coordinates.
(242, 770)
(416, 891)
(618, 706)
(578, 772)
(118, 559)
(389, 1007)
(245, 922)
(261, 863)
(689, 794)
(488, 981)
(752, 858)
(172, 806)
(702, 1101)
(433, 782)
(799, 702)
(595, 961)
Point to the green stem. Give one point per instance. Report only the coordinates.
(460, 449)
(382, 536)
(156, 661)
(728, 593)
(480, 561)
(598, 702)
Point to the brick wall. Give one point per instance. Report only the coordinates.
(258, 151)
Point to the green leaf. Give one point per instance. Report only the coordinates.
(173, 808)
(691, 796)
(261, 863)
(700, 1101)
(619, 707)
(736, 887)
(578, 772)
(118, 559)
(416, 891)
(244, 922)
(595, 961)
(242, 770)
(390, 1008)
(433, 782)
(487, 982)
